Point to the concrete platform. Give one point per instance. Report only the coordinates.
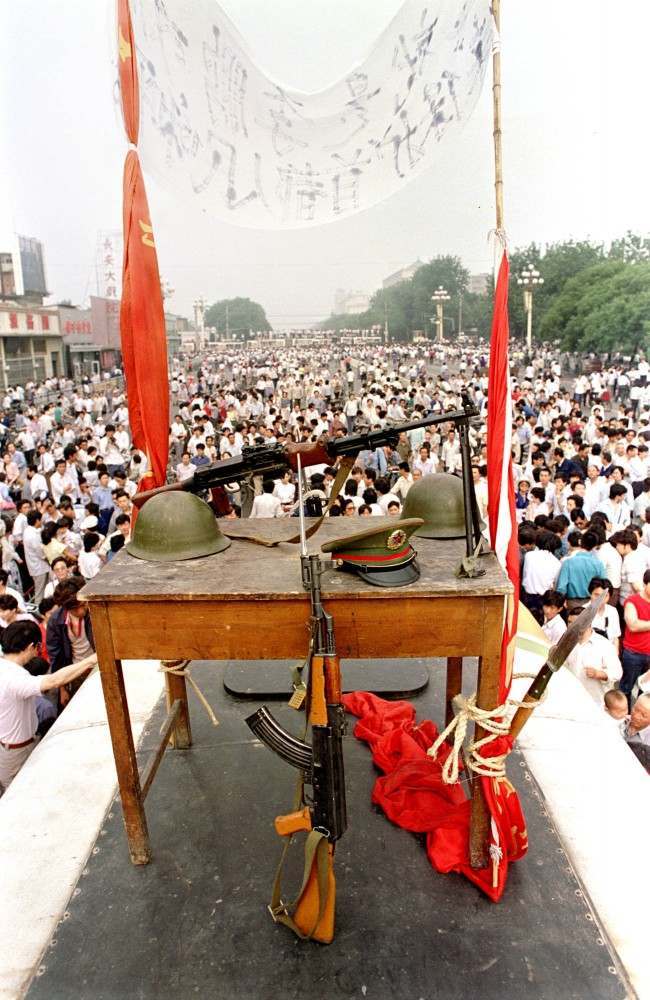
(194, 922)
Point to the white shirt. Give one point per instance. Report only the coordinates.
(37, 565)
(18, 693)
(184, 472)
(19, 597)
(285, 492)
(634, 566)
(89, 564)
(612, 562)
(554, 629)
(38, 484)
(266, 505)
(60, 485)
(599, 653)
(541, 570)
(609, 622)
(19, 527)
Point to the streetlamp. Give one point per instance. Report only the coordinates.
(440, 296)
(530, 279)
(199, 321)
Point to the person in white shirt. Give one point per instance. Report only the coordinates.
(37, 565)
(4, 589)
(554, 625)
(606, 623)
(541, 569)
(285, 490)
(19, 694)
(266, 504)
(90, 562)
(616, 509)
(20, 522)
(403, 482)
(634, 563)
(426, 463)
(642, 501)
(594, 661)
(185, 469)
(61, 482)
(595, 490)
(451, 458)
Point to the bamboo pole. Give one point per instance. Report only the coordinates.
(496, 115)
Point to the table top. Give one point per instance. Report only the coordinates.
(248, 570)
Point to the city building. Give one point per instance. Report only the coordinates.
(404, 274)
(89, 337)
(31, 346)
(22, 270)
(350, 302)
(480, 284)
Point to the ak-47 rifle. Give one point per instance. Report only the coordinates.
(324, 816)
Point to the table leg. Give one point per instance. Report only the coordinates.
(489, 666)
(176, 690)
(119, 724)
(454, 684)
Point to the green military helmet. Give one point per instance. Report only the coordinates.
(173, 526)
(438, 500)
(380, 555)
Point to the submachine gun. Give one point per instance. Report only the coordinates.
(323, 815)
(272, 461)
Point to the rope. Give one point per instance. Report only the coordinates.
(180, 668)
(492, 721)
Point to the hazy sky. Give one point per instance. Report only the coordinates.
(576, 149)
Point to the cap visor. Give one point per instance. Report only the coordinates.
(401, 576)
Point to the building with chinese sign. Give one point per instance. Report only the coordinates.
(91, 337)
(31, 347)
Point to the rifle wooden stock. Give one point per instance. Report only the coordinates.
(140, 498)
(317, 700)
(311, 453)
(311, 903)
(333, 690)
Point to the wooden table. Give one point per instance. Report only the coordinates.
(248, 603)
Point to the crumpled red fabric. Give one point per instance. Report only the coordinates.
(413, 795)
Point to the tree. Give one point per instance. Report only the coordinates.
(605, 309)
(631, 249)
(557, 265)
(236, 315)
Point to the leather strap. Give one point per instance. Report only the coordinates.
(344, 469)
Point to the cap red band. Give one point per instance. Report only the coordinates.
(353, 557)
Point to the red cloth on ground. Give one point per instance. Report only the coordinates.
(414, 796)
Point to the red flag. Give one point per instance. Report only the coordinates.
(509, 838)
(142, 315)
(501, 490)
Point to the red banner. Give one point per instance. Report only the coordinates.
(142, 314)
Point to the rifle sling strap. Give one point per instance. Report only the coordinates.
(316, 852)
(344, 469)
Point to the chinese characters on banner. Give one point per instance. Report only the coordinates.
(218, 133)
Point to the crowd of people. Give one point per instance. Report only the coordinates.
(581, 441)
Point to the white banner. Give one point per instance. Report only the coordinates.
(215, 130)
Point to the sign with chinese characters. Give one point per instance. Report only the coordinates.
(215, 129)
(108, 264)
